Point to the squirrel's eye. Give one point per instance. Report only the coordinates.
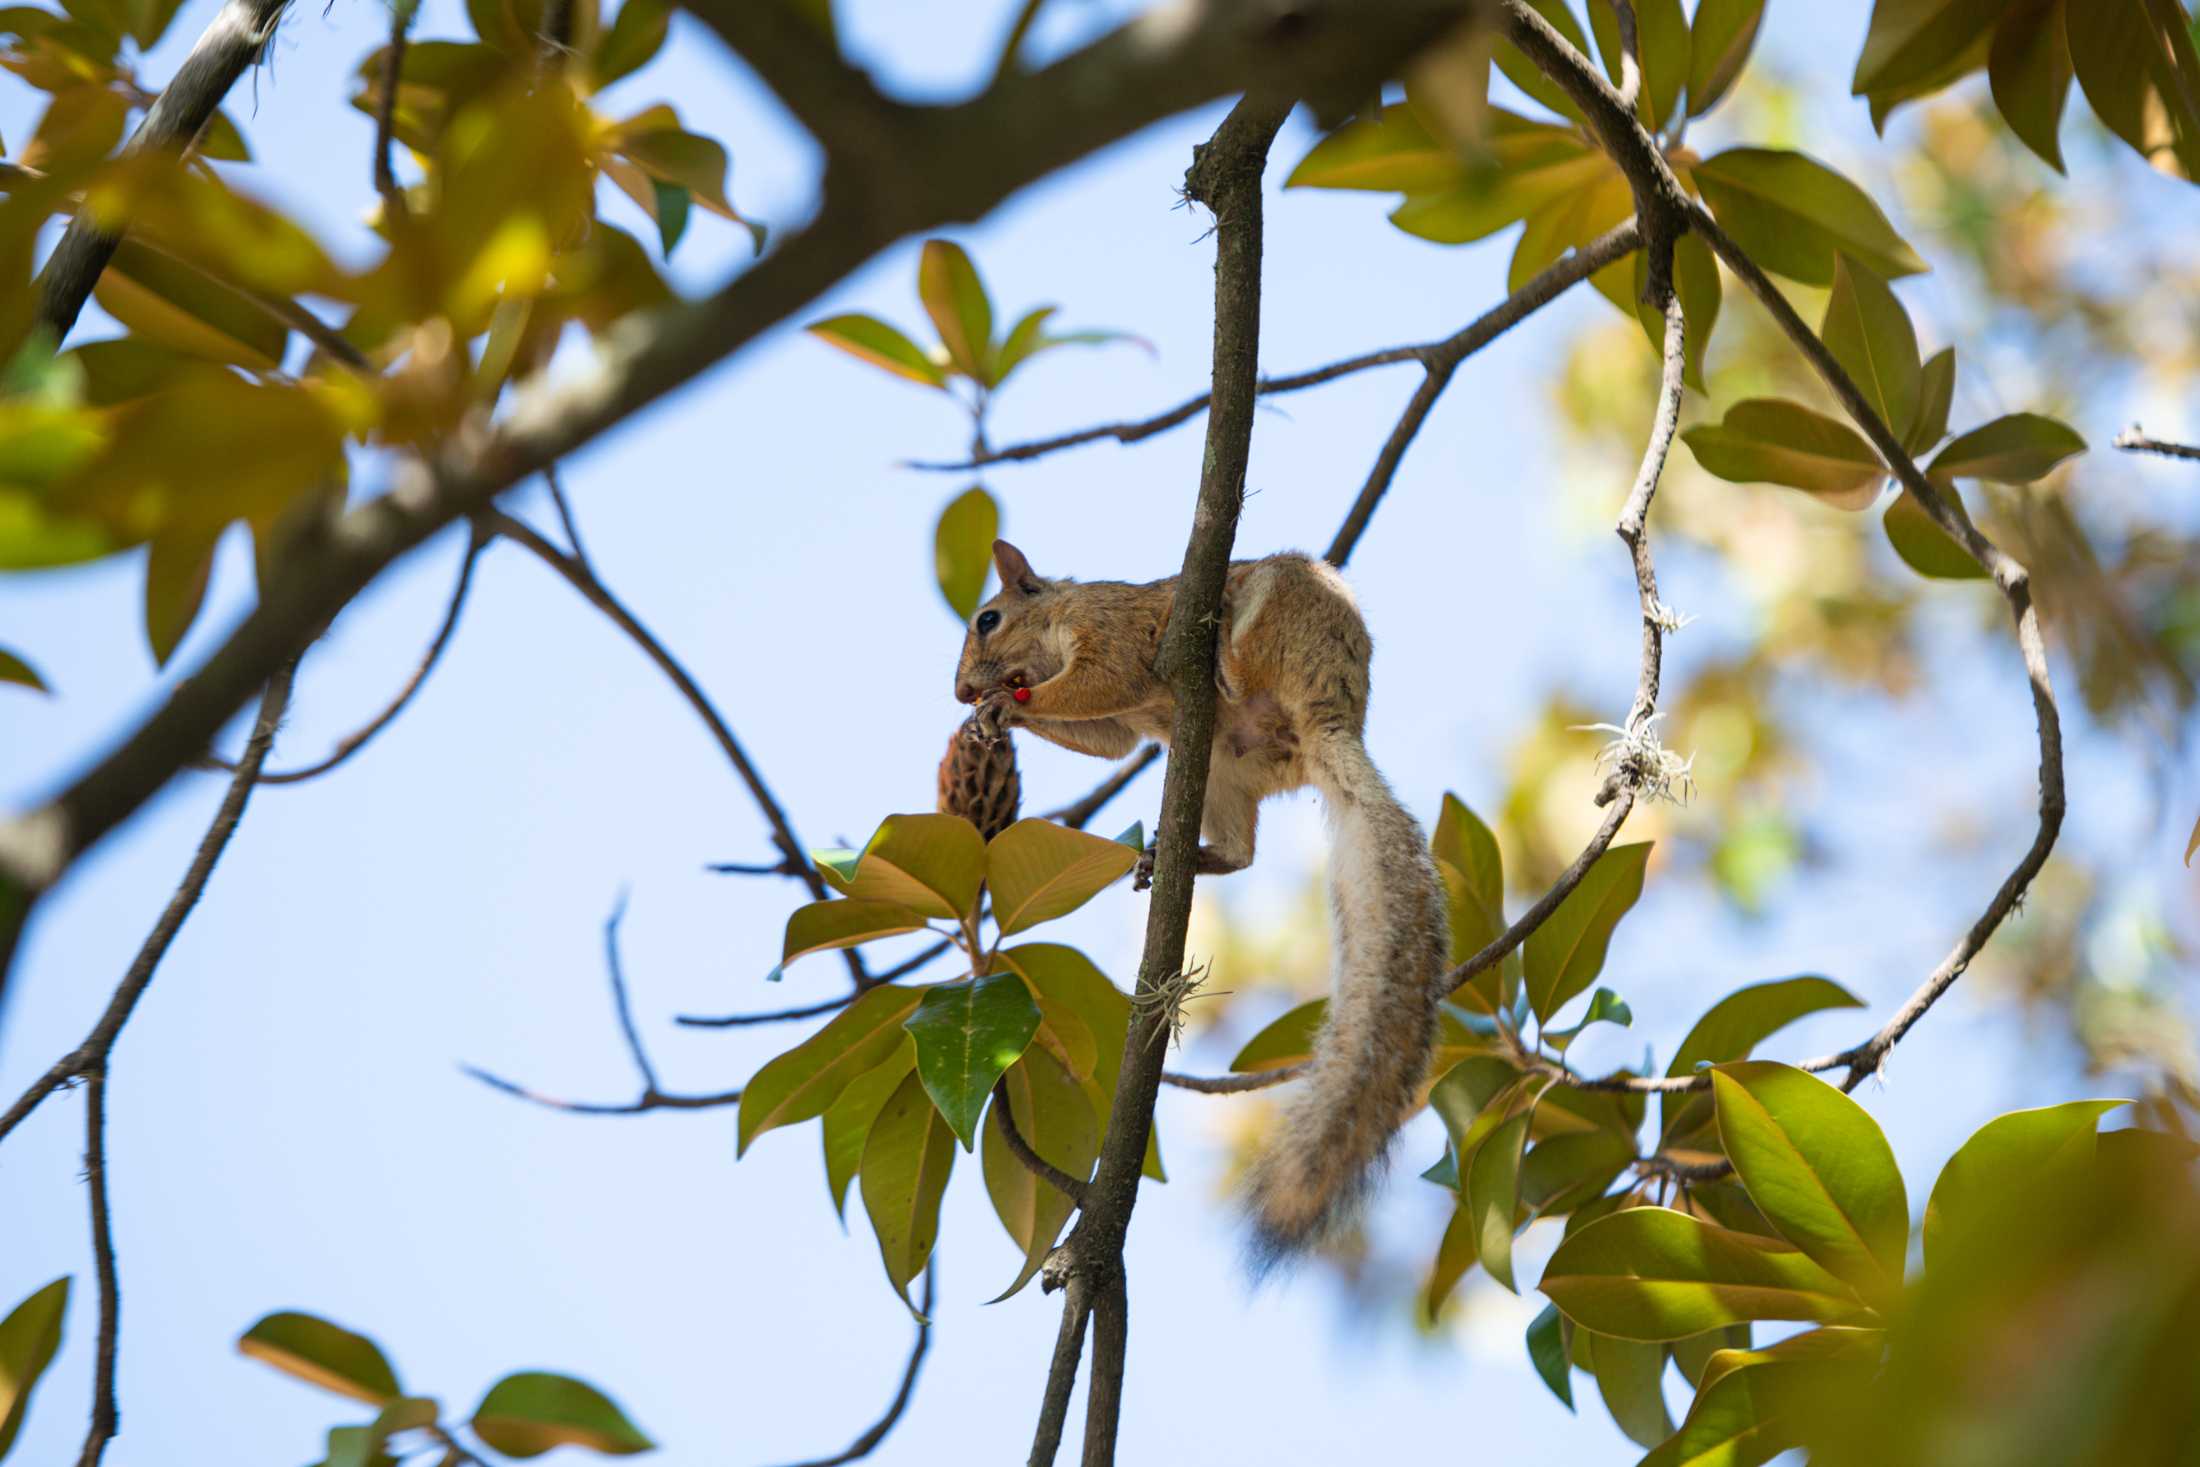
(987, 621)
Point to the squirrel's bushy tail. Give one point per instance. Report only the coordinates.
(1391, 944)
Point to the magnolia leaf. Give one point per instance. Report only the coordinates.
(904, 1173)
(2006, 1158)
(1547, 1352)
(1662, 42)
(1792, 213)
(1040, 870)
(931, 864)
(1055, 1119)
(1935, 394)
(1747, 1409)
(956, 301)
(176, 570)
(637, 34)
(822, 926)
(1288, 1040)
(181, 307)
(2016, 449)
(1454, 1256)
(968, 1033)
(1605, 1007)
(848, 1120)
(1571, 1168)
(1389, 152)
(322, 1354)
(1532, 165)
(806, 1080)
(1648, 1273)
(1923, 545)
(1912, 40)
(1734, 1026)
(2029, 71)
(1493, 1194)
(1063, 975)
(1477, 895)
(1565, 955)
(962, 548)
(2125, 64)
(28, 1338)
(1870, 335)
(881, 345)
(1720, 39)
(529, 1412)
(1630, 1376)
(1767, 440)
(1529, 77)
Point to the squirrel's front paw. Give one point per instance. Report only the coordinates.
(1142, 873)
(990, 724)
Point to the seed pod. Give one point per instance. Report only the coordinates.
(978, 780)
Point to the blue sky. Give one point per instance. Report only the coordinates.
(290, 1129)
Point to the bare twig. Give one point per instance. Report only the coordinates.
(867, 1443)
(385, 112)
(106, 1417)
(1233, 1084)
(1046, 1171)
(2134, 440)
(1079, 812)
(564, 507)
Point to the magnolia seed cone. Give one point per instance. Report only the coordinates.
(978, 780)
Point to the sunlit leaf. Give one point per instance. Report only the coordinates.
(1454, 1256)
(931, 864)
(1533, 164)
(1648, 1273)
(1662, 39)
(1605, 1007)
(1766, 440)
(881, 345)
(81, 126)
(1063, 975)
(1910, 40)
(1935, 394)
(904, 1174)
(529, 1412)
(2123, 62)
(1287, 1040)
(822, 926)
(1562, 1172)
(1791, 213)
(1477, 898)
(967, 1033)
(847, 1121)
(1040, 870)
(1720, 39)
(1056, 1120)
(1529, 77)
(962, 548)
(183, 308)
(322, 1354)
(961, 312)
(1985, 1180)
(2016, 449)
(1734, 1026)
(29, 1336)
(2029, 71)
(1389, 152)
(1696, 285)
(1565, 955)
(637, 34)
(1748, 1408)
(176, 570)
(1473, 1099)
(805, 1081)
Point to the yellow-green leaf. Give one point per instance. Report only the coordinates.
(805, 1081)
(1529, 77)
(2124, 64)
(821, 926)
(1936, 392)
(1389, 152)
(1734, 1026)
(931, 864)
(529, 1412)
(176, 570)
(847, 1121)
(881, 345)
(322, 1354)
(28, 1338)
(1720, 39)
(1911, 40)
(962, 548)
(1648, 1273)
(1662, 39)
(1630, 1377)
(956, 301)
(1454, 1256)
(1565, 955)
(1055, 1119)
(2026, 1150)
(904, 1174)
(1792, 213)
(1924, 546)
(1747, 1409)
(2015, 449)
(2029, 72)
(1870, 335)
(637, 34)
(1768, 440)
(1492, 1195)
(181, 307)
(1819, 1168)
(1062, 975)
(1040, 870)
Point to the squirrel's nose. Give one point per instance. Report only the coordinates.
(965, 693)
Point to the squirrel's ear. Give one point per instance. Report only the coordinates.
(1015, 570)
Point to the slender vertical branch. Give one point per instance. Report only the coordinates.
(106, 1417)
(385, 111)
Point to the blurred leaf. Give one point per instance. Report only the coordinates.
(2124, 64)
(179, 306)
(1565, 955)
(28, 1338)
(1719, 45)
(931, 864)
(806, 1080)
(956, 301)
(1531, 164)
(962, 548)
(1605, 1007)
(1529, 77)
(1447, 84)
(355, 1446)
(1910, 40)
(1134, 836)
(1870, 335)
(1648, 1273)
(1792, 213)
(1492, 1194)
(1629, 1377)
(880, 345)
(1820, 1169)
(671, 214)
(1547, 1352)
(196, 220)
(1288, 1040)
(14, 669)
(2029, 70)
(848, 1121)
(323, 1354)
(176, 571)
(637, 34)
(1389, 152)
(1753, 1402)
(1566, 1170)
(821, 926)
(696, 163)
(1734, 1026)
(1767, 440)
(2192, 844)
(81, 126)
(2007, 1157)
(439, 79)
(529, 1412)
(1936, 392)
(2016, 449)
(1924, 546)
(967, 1033)
(1662, 40)
(1040, 870)
(1055, 1120)
(904, 1174)
(1454, 1256)
(1029, 337)
(128, 367)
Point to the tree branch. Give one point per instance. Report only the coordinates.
(1046, 1171)
(1233, 1084)
(173, 123)
(106, 1416)
(2134, 440)
(867, 1443)
(1079, 812)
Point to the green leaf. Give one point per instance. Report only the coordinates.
(1719, 43)
(1040, 870)
(881, 345)
(956, 301)
(968, 1033)
(1389, 152)
(1531, 165)
(1870, 335)
(1473, 871)
(322, 1354)
(903, 1176)
(821, 926)
(671, 213)
(1288, 1040)
(2029, 72)
(1473, 1099)
(635, 38)
(1063, 975)
(1924, 546)
(1911, 40)
(1028, 337)
(1649, 1273)
(14, 669)
(1748, 1409)
(848, 1120)
(28, 1338)
(2124, 63)
(1454, 1256)
(2016, 449)
(1493, 1193)
(1792, 213)
(356, 1446)
(805, 1081)
(1605, 1007)
(1692, 1355)
(1768, 440)
(1819, 1168)
(694, 162)
(962, 548)
(1630, 1377)
(1662, 39)
(1565, 955)
(1734, 1026)
(1529, 77)
(1055, 1119)
(178, 306)
(1935, 394)
(529, 1412)
(1573, 1167)
(2009, 1156)
(932, 864)
(176, 569)
(2192, 844)
(1547, 1352)
(1133, 836)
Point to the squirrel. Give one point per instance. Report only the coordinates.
(1073, 662)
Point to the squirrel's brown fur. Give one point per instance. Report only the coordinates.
(1292, 673)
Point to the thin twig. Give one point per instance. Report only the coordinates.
(2134, 440)
(1046, 1171)
(1233, 1084)
(1078, 812)
(867, 1443)
(106, 1416)
(385, 112)
(565, 517)
(1014, 42)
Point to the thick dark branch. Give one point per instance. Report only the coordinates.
(867, 1443)
(1069, 1348)
(106, 1416)
(2134, 440)
(230, 45)
(1046, 1171)
(92, 1053)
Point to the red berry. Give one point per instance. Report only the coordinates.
(1023, 695)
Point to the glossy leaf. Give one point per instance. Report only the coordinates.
(1390, 152)
(1605, 1007)
(956, 301)
(1493, 1194)
(2016, 449)
(1473, 1099)
(1819, 1168)
(2005, 1158)
(2029, 71)
(1924, 546)
(1287, 1040)
(1063, 975)
(13, 669)
(1454, 1256)
(931, 864)
(1648, 1273)
(822, 926)
(529, 1412)
(1753, 1403)
(1532, 164)
(1563, 1171)
(1630, 1378)
(1737, 1024)
(848, 1120)
(881, 345)
(1056, 1120)
(1768, 440)
(1475, 882)
(29, 1336)
(1565, 955)
(323, 1354)
(1720, 39)
(1935, 394)
(2122, 60)
(804, 1082)
(904, 1173)
(1692, 1355)
(1870, 335)
(1547, 1352)
(967, 1033)
(1792, 213)
(962, 548)
(1911, 40)
(1040, 870)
